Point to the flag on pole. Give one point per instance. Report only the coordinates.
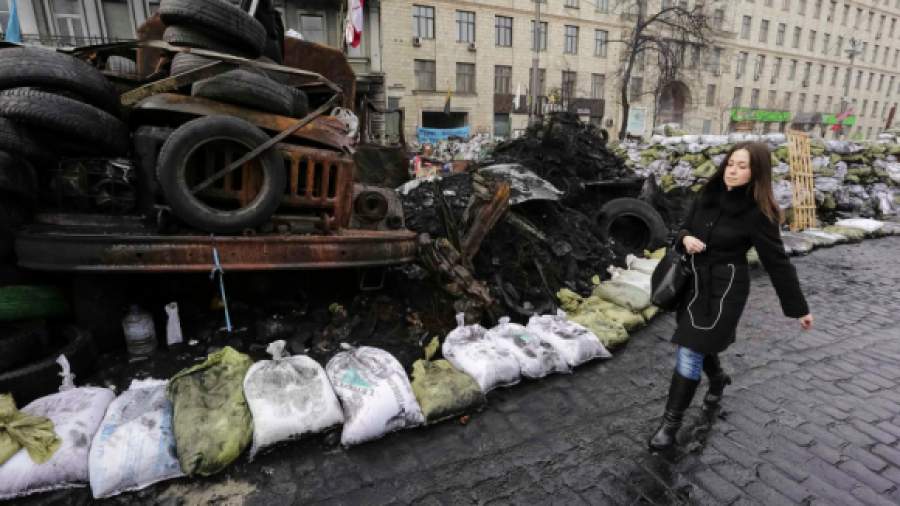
(13, 33)
(353, 32)
(447, 103)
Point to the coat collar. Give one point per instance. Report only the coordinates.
(733, 202)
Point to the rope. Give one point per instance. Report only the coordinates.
(697, 293)
(218, 269)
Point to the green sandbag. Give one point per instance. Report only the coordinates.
(19, 430)
(650, 313)
(828, 202)
(442, 391)
(623, 294)
(835, 158)
(28, 302)
(705, 170)
(612, 312)
(667, 183)
(696, 188)
(781, 154)
(212, 421)
(610, 333)
(569, 301)
(852, 234)
(695, 159)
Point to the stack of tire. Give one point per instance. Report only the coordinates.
(217, 25)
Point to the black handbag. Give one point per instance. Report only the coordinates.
(670, 278)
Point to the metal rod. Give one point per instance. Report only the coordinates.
(536, 42)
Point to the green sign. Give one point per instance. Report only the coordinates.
(763, 115)
(830, 119)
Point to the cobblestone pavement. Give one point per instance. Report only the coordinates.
(812, 418)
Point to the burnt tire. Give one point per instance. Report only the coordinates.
(631, 225)
(248, 88)
(300, 103)
(93, 130)
(185, 62)
(15, 211)
(172, 167)
(41, 377)
(184, 36)
(21, 342)
(18, 177)
(41, 68)
(23, 141)
(227, 21)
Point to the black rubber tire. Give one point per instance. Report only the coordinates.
(170, 171)
(41, 378)
(618, 219)
(185, 62)
(42, 68)
(184, 36)
(248, 88)
(300, 103)
(21, 342)
(215, 16)
(121, 65)
(17, 177)
(25, 142)
(15, 211)
(92, 130)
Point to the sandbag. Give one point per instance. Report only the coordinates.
(76, 413)
(637, 279)
(574, 343)
(212, 422)
(623, 294)
(647, 265)
(135, 445)
(610, 333)
(20, 430)
(288, 397)
(375, 393)
(867, 225)
(796, 244)
(536, 357)
(822, 239)
(851, 233)
(470, 351)
(442, 391)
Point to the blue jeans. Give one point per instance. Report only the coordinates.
(689, 363)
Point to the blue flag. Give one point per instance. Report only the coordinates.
(13, 34)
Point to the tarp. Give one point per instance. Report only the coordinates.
(439, 134)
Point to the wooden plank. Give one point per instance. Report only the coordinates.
(802, 183)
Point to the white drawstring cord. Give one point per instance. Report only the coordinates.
(697, 293)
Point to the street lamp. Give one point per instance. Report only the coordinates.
(852, 51)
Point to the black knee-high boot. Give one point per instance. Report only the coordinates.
(718, 380)
(681, 392)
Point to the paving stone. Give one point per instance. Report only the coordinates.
(764, 494)
(717, 486)
(831, 495)
(871, 497)
(784, 484)
(866, 476)
(874, 432)
(864, 457)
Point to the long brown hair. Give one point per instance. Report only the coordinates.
(760, 186)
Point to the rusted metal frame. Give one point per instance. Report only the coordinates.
(172, 83)
(484, 221)
(264, 146)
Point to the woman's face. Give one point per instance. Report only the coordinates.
(737, 172)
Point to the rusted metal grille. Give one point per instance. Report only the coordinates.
(318, 180)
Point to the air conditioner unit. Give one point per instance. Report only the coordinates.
(472, 46)
(416, 41)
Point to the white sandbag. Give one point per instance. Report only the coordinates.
(690, 138)
(375, 393)
(135, 444)
(714, 140)
(288, 397)
(866, 224)
(574, 343)
(647, 265)
(824, 238)
(776, 138)
(637, 279)
(470, 351)
(76, 413)
(827, 184)
(784, 193)
(536, 357)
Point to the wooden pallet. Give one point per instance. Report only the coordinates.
(803, 186)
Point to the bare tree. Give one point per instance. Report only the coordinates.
(666, 33)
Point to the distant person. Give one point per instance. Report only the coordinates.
(735, 210)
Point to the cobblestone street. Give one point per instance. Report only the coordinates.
(812, 418)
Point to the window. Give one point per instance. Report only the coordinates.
(707, 127)
(796, 42)
(695, 56)
(807, 70)
(845, 15)
(598, 85)
(601, 38)
(832, 6)
(802, 9)
(636, 89)
(764, 31)
(779, 36)
(801, 102)
(754, 98)
(542, 81)
(887, 52)
(738, 96)
(423, 21)
(817, 9)
(865, 107)
(710, 95)
(869, 23)
(834, 75)
(571, 3)
(859, 77)
(893, 26)
(768, 3)
(839, 46)
(896, 57)
(869, 82)
(776, 69)
(859, 15)
(890, 85)
(571, 40)
(786, 5)
(745, 27)
(760, 66)
(503, 25)
(875, 53)
(502, 79)
(539, 39)
(821, 78)
(815, 104)
(792, 71)
(68, 19)
(825, 42)
(465, 26)
(828, 104)
(719, 18)
(602, 5)
(741, 66)
(465, 78)
(811, 46)
(875, 109)
(770, 102)
(865, 49)
(425, 75)
(502, 126)
(715, 58)
(848, 75)
(787, 101)
(569, 80)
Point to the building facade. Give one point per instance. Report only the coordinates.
(772, 63)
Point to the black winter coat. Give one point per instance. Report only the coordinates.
(729, 223)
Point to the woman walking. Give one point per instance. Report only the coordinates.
(736, 210)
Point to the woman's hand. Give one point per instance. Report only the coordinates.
(693, 245)
(806, 322)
